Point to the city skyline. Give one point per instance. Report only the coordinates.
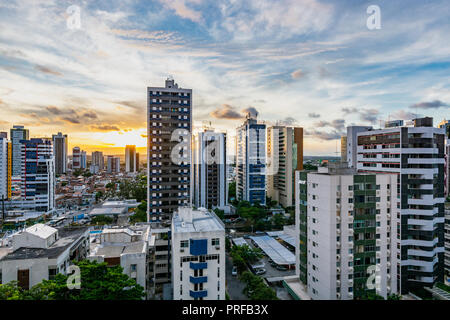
(322, 72)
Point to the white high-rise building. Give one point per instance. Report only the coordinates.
(18, 133)
(415, 153)
(38, 175)
(346, 233)
(130, 159)
(352, 143)
(210, 180)
(285, 153)
(3, 168)
(98, 160)
(198, 255)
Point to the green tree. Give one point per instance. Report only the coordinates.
(394, 297)
(98, 282)
(247, 253)
(278, 221)
(101, 220)
(255, 288)
(232, 191)
(98, 196)
(10, 291)
(140, 214)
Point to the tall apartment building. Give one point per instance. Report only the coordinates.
(445, 124)
(345, 226)
(98, 160)
(169, 127)
(198, 255)
(352, 143)
(138, 164)
(344, 149)
(83, 160)
(447, 246)
(4, 168)
(251, 161)
(18, 133)
(415, 152)
(76, 158)
(113, 164)
(210, 180)
(285, 154)
(130, 159)
(60, 150)
(4, 135)
(38, 174)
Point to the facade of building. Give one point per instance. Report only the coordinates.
(415, 152)
(345, 226)
(251, 162)
(344, 149)
(113, 164)
(447, 246)
(18, 133)
(60, 150)
(3, 168)
(98, 160)
(38, 174)
(76, 158)
(41, 252)
(209, 155)
(198, 255)
(169, 125)
(130, 159)
(138, 163)
(127, 247)
(83, 160)
(352, 143)
(285, 154)
(445, 124)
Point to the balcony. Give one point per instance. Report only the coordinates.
(198, 294)
(198, 266)
(196, 280)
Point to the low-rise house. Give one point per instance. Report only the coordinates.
(127, 247)
(40, 252)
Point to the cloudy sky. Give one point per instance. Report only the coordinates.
(311, 63)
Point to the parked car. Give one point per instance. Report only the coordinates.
(260, 271)
(246, 236)
(234, 271)
(281, 268)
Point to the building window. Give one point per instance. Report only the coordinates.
(215, 241)
(133, 267)
(184, 243)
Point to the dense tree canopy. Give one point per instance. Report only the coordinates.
(98, 282)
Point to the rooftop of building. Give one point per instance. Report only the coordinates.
(67, 236)
(188, 219)
(108, 211)
(111, 250)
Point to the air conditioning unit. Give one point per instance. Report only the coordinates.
(218, 247)
(182, 250)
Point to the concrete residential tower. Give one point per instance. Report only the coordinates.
(18, 133)
(285, 153)
(60, 150)
(198, 255)
(169, 125)
(415, 153)
(344, 222)
(210, 181)
(251, 161)
(130, 159)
